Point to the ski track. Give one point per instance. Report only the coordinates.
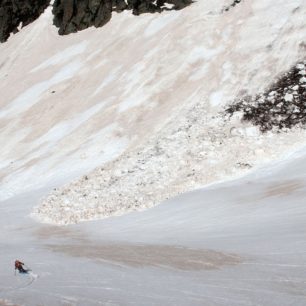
(32, 279)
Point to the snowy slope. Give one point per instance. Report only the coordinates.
(237, 243)
(141, 98)
(78, 101)
(171, 103)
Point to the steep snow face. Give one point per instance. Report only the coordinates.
(147, 91)
(237, 243)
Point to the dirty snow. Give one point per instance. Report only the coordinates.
(161, 81)
(184, 83)
(159, 23)
(63, 56)
(240, 242)
(31, 96)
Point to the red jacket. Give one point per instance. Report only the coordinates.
(18, 264)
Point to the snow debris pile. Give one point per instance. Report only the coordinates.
(193, 149)
(281, 107)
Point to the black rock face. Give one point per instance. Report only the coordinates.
(75, 15)
(14, 12)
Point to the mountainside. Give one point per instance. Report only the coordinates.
(177, 134)
(143, 99)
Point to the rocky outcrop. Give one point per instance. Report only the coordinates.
(149, 6)
(229, 7)
(282, 106)
(14, 13)
(75, 15)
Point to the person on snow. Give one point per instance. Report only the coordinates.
(19, 266)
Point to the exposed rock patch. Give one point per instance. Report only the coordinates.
(15, 13)
(281, 107)
(233, 4)
(72, 16)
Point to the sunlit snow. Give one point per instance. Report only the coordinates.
(121, 126)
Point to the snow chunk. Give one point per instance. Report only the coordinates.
(215, 98)
(288, 97)
(303, 80)
(302, 72)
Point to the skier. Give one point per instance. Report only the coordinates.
(19, 266)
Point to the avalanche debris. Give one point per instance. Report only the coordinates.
(195, 148)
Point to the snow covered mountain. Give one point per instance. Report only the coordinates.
(132, 111)
(140, 98)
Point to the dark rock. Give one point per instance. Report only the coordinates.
(143, 6)
(14, 12)
(119, 5)
(233, 4)
(74, 15)
(282, 106)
